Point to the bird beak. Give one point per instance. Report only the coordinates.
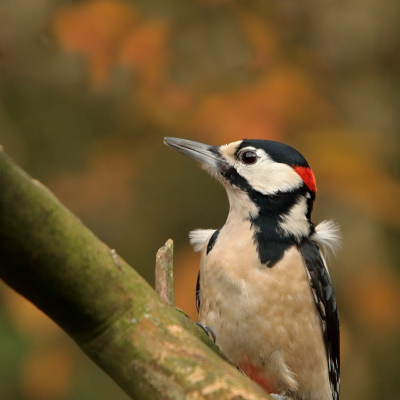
(207, 156)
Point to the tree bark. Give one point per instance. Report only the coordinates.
(149, 348)
(164, 283)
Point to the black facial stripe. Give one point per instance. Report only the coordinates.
(231, 175)
(278, 203)
(271, 245)
(310, 204)
(279, 152)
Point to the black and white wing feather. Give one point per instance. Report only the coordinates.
(325, 302)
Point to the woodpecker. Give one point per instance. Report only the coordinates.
(264, 288)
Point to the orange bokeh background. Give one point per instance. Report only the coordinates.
(88, 90)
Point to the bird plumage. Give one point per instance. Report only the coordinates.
(263, 285)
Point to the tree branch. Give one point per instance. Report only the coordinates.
(150, 349)
(165, 273)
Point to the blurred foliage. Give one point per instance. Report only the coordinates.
(88, 89)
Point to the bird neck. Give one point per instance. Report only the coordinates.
(278, 221)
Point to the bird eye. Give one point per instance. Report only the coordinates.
(248, 157)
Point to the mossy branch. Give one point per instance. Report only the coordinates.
(149, 348)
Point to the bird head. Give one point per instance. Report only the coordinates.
(256, 167)
(268, 184)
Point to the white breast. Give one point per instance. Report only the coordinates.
(265, 316)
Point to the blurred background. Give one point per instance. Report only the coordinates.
(88, 90)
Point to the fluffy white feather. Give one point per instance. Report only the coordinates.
(327, 235)
(198, 237)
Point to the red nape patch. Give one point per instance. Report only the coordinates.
(308, 177)
(257, 375)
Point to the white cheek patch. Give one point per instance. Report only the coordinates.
(295, 221)
(267, 176)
